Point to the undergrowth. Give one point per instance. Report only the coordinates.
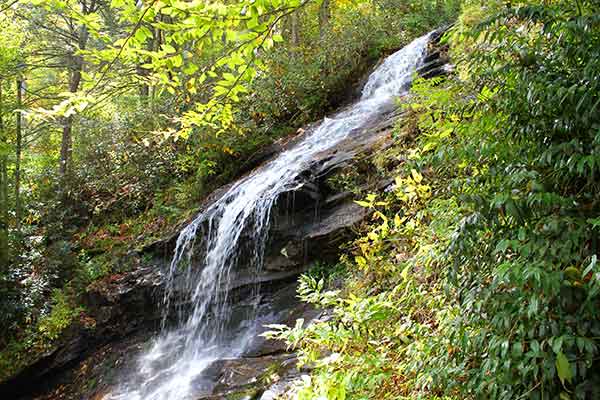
(41, 336)
(477, 275)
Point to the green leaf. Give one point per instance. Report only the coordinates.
(252, 22)
(177, 61)
(142, 34)
(229, 77)
(190, 68)
(563, 368)
(502, 246)
(167, 48)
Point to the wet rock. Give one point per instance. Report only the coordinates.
(308, 224)
(436, 63)
(252, 371)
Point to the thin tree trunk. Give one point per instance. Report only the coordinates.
(324, 17)
(144, 88)
(144, 72)
(4, 213)
(3, 194)
(18, 150)
(66, 147)
(153, 44)
(294, 34)
(156, 43)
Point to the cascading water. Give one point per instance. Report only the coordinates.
(233, 231)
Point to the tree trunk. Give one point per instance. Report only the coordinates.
(156, 43)
(294, 34)
(324, 16)
(153, 44)
(18, 149)
(3, 193)
(4, 241)
(66, 146)
(144, 88)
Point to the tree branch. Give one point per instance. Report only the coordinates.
(114, 60)
(9, 5)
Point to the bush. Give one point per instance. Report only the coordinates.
(478, 276)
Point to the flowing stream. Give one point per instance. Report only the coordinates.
(232, 233)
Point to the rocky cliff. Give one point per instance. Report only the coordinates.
(123, 312)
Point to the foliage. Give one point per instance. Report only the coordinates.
(330, 273)
(59, 318)
(366, 336)
(489, 281)
(41, 336)
(133, 112)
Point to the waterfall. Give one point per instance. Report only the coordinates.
(232, 232)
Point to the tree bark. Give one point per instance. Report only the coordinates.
(144, 72)
(294, 34)
(76, 66)
(18, 150)
(324, 17)
(4, 252)
(156, 43)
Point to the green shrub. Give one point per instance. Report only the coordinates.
(60, 317)
(39, 336)
(482, 263)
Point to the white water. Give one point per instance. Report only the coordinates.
(234, 231)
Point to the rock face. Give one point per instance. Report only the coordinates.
(117, 309)
(437, 61)
(307, 225)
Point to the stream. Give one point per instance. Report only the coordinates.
(231, 235)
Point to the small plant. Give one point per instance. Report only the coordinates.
(61, 315)
(321, 270)
(477, 276)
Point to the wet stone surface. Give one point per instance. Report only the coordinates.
(126, 310)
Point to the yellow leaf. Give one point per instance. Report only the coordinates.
(361, 261)
(416, 176)
(398, 221)
(404, 273)
(380, 215)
